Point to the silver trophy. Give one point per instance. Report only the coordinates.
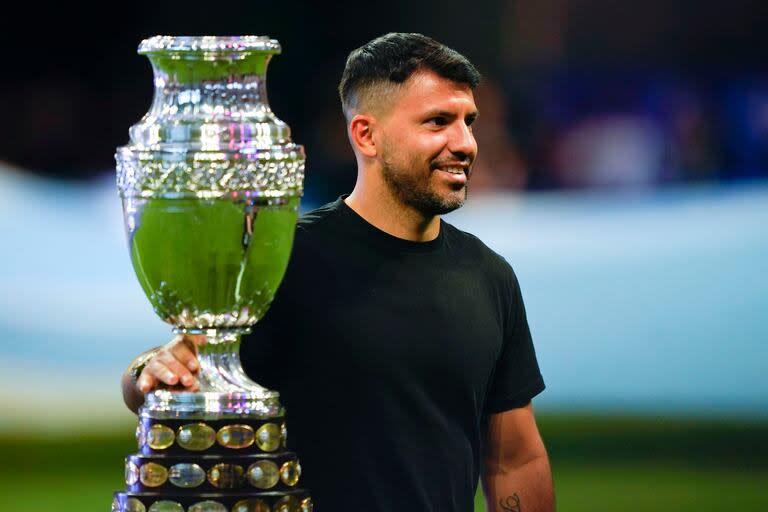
(210, 185)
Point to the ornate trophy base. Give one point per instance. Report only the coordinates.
(221, 449)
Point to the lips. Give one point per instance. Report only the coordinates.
(456, 168)
(456, 177)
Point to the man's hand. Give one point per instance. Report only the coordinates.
(173, 364)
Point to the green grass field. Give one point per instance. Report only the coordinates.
(599, 464)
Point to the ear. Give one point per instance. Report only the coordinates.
(361, 134)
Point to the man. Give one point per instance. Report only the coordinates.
(399, 344)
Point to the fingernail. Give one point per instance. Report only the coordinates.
(186, 380)
(192, 365)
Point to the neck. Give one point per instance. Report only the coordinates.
(381, 209)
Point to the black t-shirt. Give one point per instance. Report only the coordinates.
(389, 355)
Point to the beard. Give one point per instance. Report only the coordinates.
(416, 191)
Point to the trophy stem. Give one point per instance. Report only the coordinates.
(220, 367)
(224, 388)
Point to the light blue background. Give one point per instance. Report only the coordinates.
(649, 302)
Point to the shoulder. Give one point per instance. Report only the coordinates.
(317, 219)
(490, 270)
(470, 246)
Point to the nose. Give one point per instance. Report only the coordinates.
(462, 142)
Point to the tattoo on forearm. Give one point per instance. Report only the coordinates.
(510, 503)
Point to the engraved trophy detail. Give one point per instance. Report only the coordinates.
(210, 185)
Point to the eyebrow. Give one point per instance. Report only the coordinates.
(444, 113)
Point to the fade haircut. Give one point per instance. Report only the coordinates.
(377, 67)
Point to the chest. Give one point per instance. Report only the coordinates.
(417, 326)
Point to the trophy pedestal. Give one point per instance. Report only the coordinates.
(219, 449)
(230, 456)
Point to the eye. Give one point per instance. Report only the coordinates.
(437, 121)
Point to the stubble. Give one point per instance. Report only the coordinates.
(415, 190)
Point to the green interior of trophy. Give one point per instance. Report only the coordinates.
(212, 262)
(190, 67)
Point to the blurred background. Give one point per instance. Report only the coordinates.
(623, 172)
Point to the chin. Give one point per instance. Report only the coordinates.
(440, 204)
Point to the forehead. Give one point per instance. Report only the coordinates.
(426, 90)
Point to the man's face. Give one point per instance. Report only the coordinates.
(427, 147)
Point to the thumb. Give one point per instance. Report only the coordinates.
(146, 382)
(197, 339)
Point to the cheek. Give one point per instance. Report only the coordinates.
(429, 146)
(393, 142)
(414, 148)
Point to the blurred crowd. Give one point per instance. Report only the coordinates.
(576, 93)
(576, 129)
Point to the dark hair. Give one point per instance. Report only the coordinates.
(394, 57)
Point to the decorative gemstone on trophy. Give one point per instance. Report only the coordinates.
(263, 474)
(287, 504)
(153, 475)
(131, 473)
(235, 436)
(207, 506)
(186, 475)
(284, 435)
(196, 437)
(290, 472)
(307, 505)
(251, 505)
(166, 506)
(160, 437)
(226, 476)
(134, 505)
(268, 437)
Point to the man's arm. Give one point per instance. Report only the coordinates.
(516, 476)
(132, 395)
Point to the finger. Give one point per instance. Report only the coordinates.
(195, 339)
(161, 372)
(146, 381)
(186, 355)
(178, 368)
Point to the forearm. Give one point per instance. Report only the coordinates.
(523, 488)
(132, 396)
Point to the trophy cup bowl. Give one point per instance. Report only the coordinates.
(210, 185)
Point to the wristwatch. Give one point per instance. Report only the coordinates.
(141, 362)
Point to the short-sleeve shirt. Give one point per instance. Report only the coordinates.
(389, 356)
